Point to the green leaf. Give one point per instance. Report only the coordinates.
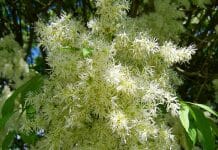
(185, 120)
(8, 107)
(205, 134)
(32, 85)
(8, 140)
(4, 120)
(87, 52)
(30, 112)
(192, 135)
(29, 139)
(187, 143)
(2, 1)
(206, 108)
(214, 127)
(183, 116)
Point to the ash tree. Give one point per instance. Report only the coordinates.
(111, 86)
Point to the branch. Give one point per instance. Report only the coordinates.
(190, 74)
(198, 74)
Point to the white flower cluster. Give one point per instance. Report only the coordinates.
(12, 64)
(119, 122)
(120, 90)
(120, 77)
(172, 54)
(143, 44)
(61, 31)
(111, 13)
(156, 95)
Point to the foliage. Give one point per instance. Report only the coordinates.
(110, 32)
(215, 85)
(15, 74)
(9, 109)
(201, 30)
(199, 128)
(106, 82)
(164, 20)
(185, 22)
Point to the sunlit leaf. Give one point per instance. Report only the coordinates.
(183, 116)
(86, 52)
(192, 134)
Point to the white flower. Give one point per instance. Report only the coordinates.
(143, 136)
(122, 39)
(113, 101)
(114, 74)
(173, 108)
(172, 54)
(24, 66)
(119, 76)
(91, 24)
(169, 134)
(143, 45)
(119, 122)
(153, 93)
(156, 95)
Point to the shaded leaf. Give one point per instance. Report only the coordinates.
(214, 127)
(205, 107)
(8, 107)
(4, 120)
(8, 140)
(29, 139)
(30, 112)
(32, 85)
(205, 133)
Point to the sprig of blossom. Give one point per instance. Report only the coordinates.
(114, 93)
(156, 95)
(111, 14)
(120, 77)
(12, 64)
(172, 54)
(119, 123)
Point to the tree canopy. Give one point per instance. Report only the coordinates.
(122, 70)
